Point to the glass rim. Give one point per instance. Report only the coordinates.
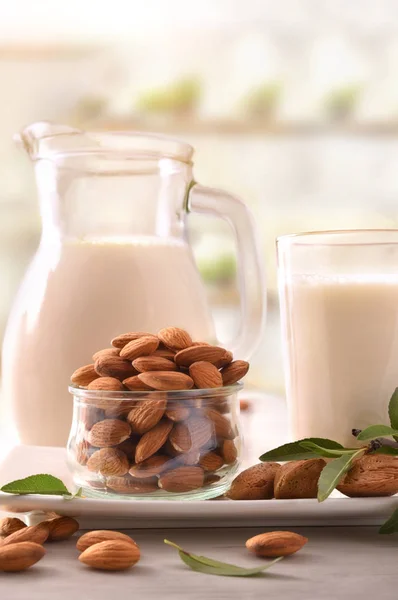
(341, 237)
(125, 395)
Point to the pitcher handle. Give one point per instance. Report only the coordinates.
(251, 273)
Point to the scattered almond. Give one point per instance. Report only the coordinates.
(108, 384)
(114, 366)
(84, 375)
(153, 363)
(276, 543)
(112, 555)
(140, 347)
(61, 528)
(205, 375)
(10, 525)
(298, 479)
(147, 414)
(102, 535)
(254, 483)
(182, 479)
(108, 461)
(35, 533)
(371, 475)
(109, 432)
(18, 557)
(166, 380)
(235, 371)
(212, 354)
(175, 338)
(152, 440)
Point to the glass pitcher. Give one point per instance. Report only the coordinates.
(113, 257)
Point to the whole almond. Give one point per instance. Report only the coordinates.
(152, 440)
(134, 384)
(234, 371)
(225, 360)
(114, 366)
(128, 447)
(153, 363)
(298, 479)
(192, 434)
(106, 352)
(35, 533)
(229, 452)
(166, 380)
(371, 475)
(101, 535)
(82, 452)
(211, 462)
(177, 413)
(182, 479)
(205, 375)
(222, 425)
(175, 338)
(121, 340)
(84, 375)
(112, 555)
(147, 414)
(116, 409)
(212, 354)
(276, 543)
(108, 461)
(151, 467)
(108, 384)
(90, 415)
(109, 432)
(141, 347)
(128, 485)
(255, 483)
(61, 528)
(18, 557)
(10, 525)
(164, 353)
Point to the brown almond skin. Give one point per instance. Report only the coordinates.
(182, 479)
(84, 375)
(18, 557)
(255, 483)
(205, 375)
(109, 432)
(153, 363)
(175, 338)
(141, 347)
(225, 360)
(229, 452)
(372, 475)
(212, 354)
(121, 340)
(298, 479)
(235, 371)
(192, 435)
(36, 533)
(10, 525)
(151, 467)
(101, 535)
(166, 380)
(221, 424)
(134, 384)
(112, 555)
(276, 543)
(178, 413)
(211, 462)
(61, 528)
(108, 384)
(114, 366)
(152, 440)
(108, 461)
(128, 485)
(147, 414)
(106, 352)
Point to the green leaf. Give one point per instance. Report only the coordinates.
(37, 484)
(393, 411)
(375, 431)
(386, 450)
(203, 564)
(326, 452)
(294, 450)
(333, 472)
(391, 525)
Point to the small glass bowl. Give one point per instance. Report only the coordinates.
(155, 445)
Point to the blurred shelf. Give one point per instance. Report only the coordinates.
(191, 125)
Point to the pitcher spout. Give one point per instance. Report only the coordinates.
(32, 137)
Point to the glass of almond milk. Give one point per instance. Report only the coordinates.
(339, 310)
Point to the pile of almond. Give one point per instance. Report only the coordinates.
(160, 439)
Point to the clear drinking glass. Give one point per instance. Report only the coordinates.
(155, 445)
(339, 310)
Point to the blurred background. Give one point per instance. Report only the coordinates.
(292, 105)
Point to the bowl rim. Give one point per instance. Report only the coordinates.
(124, 395)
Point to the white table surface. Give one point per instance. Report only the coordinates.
(346, 563)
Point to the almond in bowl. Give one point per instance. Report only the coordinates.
(156, 416)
